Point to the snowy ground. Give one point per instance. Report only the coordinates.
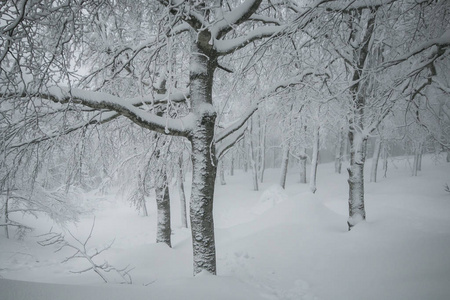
(271, 244)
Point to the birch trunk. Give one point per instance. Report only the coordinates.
(163, 219)
(232, 164)
(262, 164)
(314, 161)
(357, 212)
(375, 159)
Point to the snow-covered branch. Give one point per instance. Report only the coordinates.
(235, 17)
(122, 106)
(228, 46)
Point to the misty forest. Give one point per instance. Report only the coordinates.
(224, 149)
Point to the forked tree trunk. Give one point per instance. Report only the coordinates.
(284, 166)
(180, 181)
(375, 159)
(357, 212)
(314, 161)
(163, 231)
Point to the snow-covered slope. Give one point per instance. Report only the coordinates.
(271, 244)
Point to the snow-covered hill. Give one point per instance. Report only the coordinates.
(271, 244)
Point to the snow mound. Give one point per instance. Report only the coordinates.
(271, 197)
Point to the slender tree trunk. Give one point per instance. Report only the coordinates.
(232, 164)
(262, 164)
(419, 162)
(417, 153)
(163, 220)
(448, 155)
(314, 161)
(222, 172)
(180, 181)
(5, 214)
(252, 157)
(302, 163)
(385, 159)
(375, 159)
(339, 152)
(284, 165)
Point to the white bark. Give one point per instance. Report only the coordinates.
(302, 164)
(180, 181)
(314, 161)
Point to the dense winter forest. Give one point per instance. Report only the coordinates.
(176, 107)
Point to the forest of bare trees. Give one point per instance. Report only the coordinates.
(139, 94)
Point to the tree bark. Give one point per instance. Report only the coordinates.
(339, 152)
(180, 180)
(204, 163)
(302, 163)
(262, 165)
(357, 212)
(163, 219)
(284, 166)
(222, 172)
(375, 159)
(314, 161)
(253, 160)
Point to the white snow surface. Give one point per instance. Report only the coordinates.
(296, 247)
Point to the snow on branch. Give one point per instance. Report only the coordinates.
(230, 140)
(346, 6)
(123, 106)
(237, 124)
(82, 252)
(235, 17)
(437, 47)
(228, 46)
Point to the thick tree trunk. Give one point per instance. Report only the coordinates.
(375, 159)
(204, 164)
(357, 212)
(163, 220)
(180, 181)
(284, 166)
(314, 161)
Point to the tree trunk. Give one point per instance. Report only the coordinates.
(163, 220)
(204, 164)
(385, 159)
(284, 166)
(262, 164)
(302, 162)
(253, 160)
(419, 162)
(232, 164)
(448, 156)
(180, 181)
(222, 172)
(417, 153)
(314, 161)
(376, 157)
(339, 152)
(357, 211)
